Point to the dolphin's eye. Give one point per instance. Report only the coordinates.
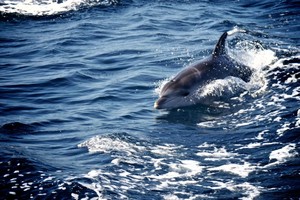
(184, 93)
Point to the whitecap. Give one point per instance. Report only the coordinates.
(241, 170)
(216, 154)
(250, 191)
(102, 144)
(282, 154)
(185, 168)
(48, 7)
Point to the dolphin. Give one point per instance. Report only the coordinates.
(182, 90)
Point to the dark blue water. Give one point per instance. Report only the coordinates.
(78, 80)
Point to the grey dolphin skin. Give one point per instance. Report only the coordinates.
(182, 89)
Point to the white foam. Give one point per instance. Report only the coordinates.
(75, 196)
(116, 161)
(166, 149)
(186, 168)
(216, 154)
(166, 167)
(250, 190)
(257, 144)
(96, 187)
(251, 145)
(12, 193)
(191, 167)
(281, 155)
(297, 124)
(240, 170)
(191, 196)
(171, 197)
(48, 7)
(205, 145)
(103, 144)
(93, 174)
(50, 178)
(241, 124)
(207, 124)
(291, 79)
(284, 127)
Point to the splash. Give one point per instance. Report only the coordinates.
(227, 87)
(253, 54)
(231, 90)
(48, 7)
(160, 84)
(236, 30)
(109, 144)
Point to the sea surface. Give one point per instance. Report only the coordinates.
(78, 80)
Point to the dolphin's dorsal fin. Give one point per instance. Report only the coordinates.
(220, 47)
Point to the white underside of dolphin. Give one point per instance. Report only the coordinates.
(183, 90)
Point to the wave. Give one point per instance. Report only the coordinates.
(48, 7)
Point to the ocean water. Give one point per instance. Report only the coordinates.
(78, 79)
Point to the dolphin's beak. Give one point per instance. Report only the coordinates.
(156, 106)
(159, 103)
